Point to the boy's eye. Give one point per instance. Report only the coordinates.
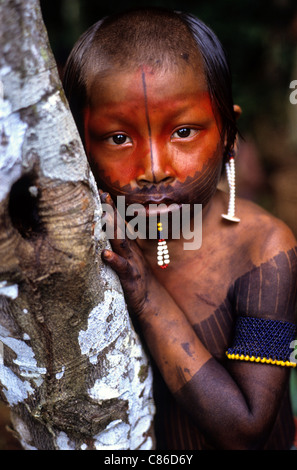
(119, 139)
(184, 132)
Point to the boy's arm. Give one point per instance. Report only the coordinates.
(235, 405)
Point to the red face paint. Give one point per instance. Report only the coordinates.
(153, 136)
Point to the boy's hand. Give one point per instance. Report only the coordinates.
(127, 260)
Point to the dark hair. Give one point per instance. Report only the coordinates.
(218, 75)
(161, 38)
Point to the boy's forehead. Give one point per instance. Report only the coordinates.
(142, 80)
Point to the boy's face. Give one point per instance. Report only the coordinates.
(153, 136)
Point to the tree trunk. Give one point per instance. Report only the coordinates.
(72, 368)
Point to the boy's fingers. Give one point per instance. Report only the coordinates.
(115, 226)
(116, 262)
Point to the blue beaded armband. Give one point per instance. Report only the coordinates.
(264, 341)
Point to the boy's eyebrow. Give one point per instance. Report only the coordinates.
(148, 122)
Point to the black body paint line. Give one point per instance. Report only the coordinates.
(186, 348)
(268, 290)
(265, 291)
(148, 123)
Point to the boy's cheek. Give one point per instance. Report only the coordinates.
(118, 177)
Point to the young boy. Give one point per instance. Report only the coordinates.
(151, 94)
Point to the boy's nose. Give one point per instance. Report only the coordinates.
(155, 168)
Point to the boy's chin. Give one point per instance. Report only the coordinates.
(172, 217)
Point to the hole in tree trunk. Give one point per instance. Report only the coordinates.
(23, 207)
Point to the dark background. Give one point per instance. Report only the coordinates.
(260, 38)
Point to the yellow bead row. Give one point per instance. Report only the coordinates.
(263, 360)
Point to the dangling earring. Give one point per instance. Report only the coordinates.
(162, 249)
(230, 170)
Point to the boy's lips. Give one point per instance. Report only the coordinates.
(155, 207)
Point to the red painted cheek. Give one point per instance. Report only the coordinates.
(120, 174)
(123, 174)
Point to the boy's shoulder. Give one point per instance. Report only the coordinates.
(271, 281)
(266, 234)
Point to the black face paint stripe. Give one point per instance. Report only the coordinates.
(197, 189)
(148, 123)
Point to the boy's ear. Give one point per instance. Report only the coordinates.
(237, 111)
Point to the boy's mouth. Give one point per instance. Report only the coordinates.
(155, 207)
(160, 208)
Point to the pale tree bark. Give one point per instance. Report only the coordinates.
(72, 368)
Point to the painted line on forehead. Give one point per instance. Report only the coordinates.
(148, 122)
